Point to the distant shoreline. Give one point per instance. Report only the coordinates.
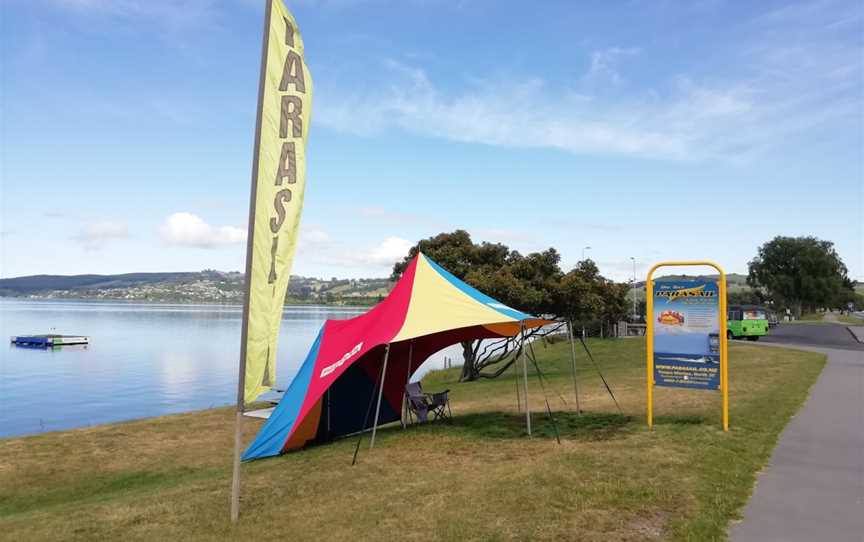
(293, 303)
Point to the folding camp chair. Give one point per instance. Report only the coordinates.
(421, 404)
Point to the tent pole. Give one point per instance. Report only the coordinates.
(407, 381)
(380, 393)
(525, 380)
(516, 380)
(573, 364)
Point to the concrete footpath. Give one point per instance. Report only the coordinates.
(813, 486)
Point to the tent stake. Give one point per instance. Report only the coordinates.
(525, 380)
(380, 393)
(573, 364)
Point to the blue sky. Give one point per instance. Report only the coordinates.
(657, 130)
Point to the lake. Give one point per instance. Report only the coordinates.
(143, 360)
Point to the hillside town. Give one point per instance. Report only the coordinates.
(204, 287)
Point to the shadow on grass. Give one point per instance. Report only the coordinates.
(504, 425)
(679, 420)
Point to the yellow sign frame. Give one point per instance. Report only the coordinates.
(649, 336)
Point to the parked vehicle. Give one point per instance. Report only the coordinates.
(746, 321)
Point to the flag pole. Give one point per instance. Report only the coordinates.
(244, 330)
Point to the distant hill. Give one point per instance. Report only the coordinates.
(206, 286)
(41, 283)
(735, 282)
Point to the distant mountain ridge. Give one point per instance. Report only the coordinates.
(201, 286)
(37, 283)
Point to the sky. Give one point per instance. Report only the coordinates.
(651, 130)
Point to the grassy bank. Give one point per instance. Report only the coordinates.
(849, 320)
(829, 318)
(477, 478)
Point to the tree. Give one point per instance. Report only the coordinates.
(532, 283)
(748, 296)
(457, 252)
(800, 272)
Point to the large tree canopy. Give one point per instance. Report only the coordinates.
(800, 272)
(533, 283)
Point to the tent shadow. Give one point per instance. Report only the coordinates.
(571, 426)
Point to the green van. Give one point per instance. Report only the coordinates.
(746, 321)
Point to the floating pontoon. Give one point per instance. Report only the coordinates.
(49, 340)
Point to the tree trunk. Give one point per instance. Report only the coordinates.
(469, 355)
(796, 309)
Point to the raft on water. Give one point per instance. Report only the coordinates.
(49, 340)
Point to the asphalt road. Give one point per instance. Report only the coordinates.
(823, 335)
(813, 487)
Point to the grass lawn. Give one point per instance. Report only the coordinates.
(849, 320)
(834, 318)
(478, 478)
(811, 317)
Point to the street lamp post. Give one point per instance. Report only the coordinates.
(634, 287)
(583, 252)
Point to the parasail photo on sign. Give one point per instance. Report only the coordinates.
(686, 323)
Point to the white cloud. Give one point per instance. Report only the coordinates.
(313, 236)
(604, 65)
(782, 77)
(186, 229)
(96, 235)
(388, 252)
(316, 247)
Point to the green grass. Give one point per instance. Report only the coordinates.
(849, 320)
(479, 477)
(832, 318)
(811, 317)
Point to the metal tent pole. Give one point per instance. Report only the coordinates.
(525, 380)
(516, 380)
(573, 364)
(407, 381)
(380, 394)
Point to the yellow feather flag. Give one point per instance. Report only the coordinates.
(278, 182)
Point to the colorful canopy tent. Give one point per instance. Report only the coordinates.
(331, 395)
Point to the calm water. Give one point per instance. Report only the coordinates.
(143, 360)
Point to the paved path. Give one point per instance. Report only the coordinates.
(825, 335)
(813, 487)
